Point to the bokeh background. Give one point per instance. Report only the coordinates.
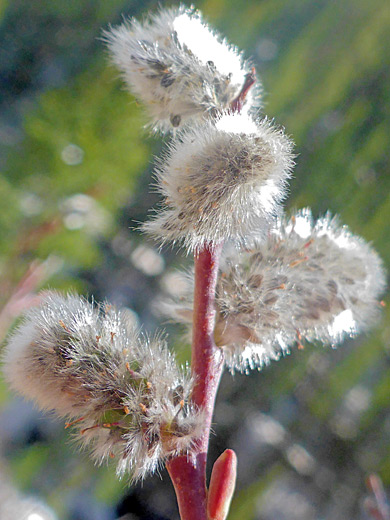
(76, 162)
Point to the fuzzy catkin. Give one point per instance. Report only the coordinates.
(309, 281)
(122, 391)
(178, 67)
(221, 181)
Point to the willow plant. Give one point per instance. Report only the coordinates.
(262, 282)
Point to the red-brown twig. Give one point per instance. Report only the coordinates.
(188, 472)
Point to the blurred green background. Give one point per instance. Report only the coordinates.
(75, 163)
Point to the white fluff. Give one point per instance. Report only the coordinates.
(177, 66)
(221, 181)
(125, 392)
(309, 281)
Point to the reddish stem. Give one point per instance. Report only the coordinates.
(206, 363)
(188, 473)
(250, 79)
